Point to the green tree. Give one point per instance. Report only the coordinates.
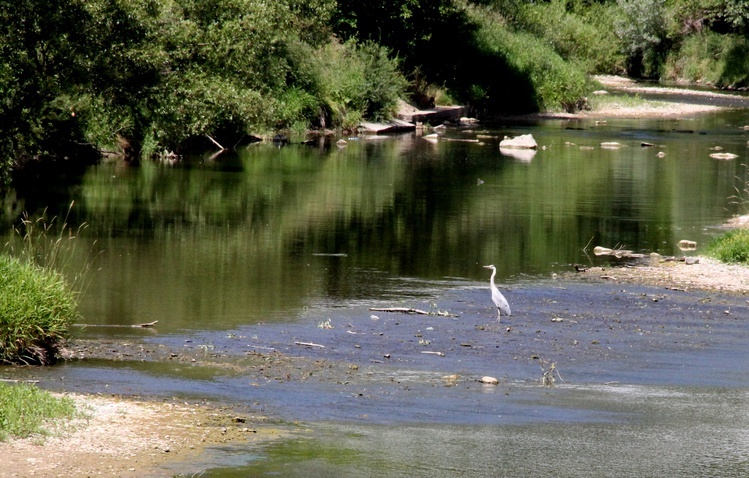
(641, 30)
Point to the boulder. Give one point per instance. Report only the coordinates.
(524, 141)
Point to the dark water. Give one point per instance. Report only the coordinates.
(265, 233)
(252, 250)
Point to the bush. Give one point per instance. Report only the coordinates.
(37, 304)
(351, 81)
(720, 60)
(526, 74)
(733, 247)
(37, 309)
(581, 34)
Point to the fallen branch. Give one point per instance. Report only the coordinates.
(441, 354)
(136, 326)
(215, 142)
(404, 310)
(309, 344)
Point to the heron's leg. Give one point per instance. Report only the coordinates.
(499, 315)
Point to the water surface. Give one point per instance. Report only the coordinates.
(253, 250)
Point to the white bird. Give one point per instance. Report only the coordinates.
(499, 300)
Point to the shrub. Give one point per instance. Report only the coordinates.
(721, 60)
(733, 247)
(37, 309)
(37, 304)
(526, 74)
(583, 35)
(351, 81)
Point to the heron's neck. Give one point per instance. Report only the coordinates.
(491, 279)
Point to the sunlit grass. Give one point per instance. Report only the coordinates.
(620, 102)
(26, 410)
(732, 247)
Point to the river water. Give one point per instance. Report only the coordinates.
(259, 248)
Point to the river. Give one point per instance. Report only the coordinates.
(268, 248)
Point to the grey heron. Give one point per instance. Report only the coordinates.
(499, 300)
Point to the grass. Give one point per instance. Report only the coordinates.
(37, 309)
(26, 410)
(732, 247)
(37, 304)
(623, 101)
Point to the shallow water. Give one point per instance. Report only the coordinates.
(253, 251)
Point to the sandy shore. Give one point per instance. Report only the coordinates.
(128, 438)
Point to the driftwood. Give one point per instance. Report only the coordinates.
(408, 310)
(404, 310)
(309, 344)
(135, 326)
(218, 145)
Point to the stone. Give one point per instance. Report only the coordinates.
(725, 156)
(524, 141)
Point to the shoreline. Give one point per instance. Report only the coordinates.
(129, 437)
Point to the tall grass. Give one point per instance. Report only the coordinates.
(25, 410)
(37, 304)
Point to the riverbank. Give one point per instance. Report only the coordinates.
(653, 101)
(125, 437)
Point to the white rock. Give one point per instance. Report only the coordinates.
(524, 141)
(489, 380)
(724, 156)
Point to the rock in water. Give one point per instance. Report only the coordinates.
(524, 141)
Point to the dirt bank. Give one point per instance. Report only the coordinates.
(129, 438)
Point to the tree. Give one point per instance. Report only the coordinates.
(641, 29)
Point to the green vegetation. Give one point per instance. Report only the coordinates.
(149, 77)
(733, 247)
(37, 304)
(25, 410)
(36, 311)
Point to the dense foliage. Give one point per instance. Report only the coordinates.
(143, 77)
